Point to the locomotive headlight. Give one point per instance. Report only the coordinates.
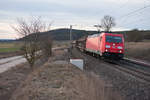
(107, 46)
(119, 47)
(106, 50)
(120, 51)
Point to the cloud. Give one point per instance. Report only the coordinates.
(80, 12)
(6, 32)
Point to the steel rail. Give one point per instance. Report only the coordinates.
(124, 65)
(134, 71)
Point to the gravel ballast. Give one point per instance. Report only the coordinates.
(127, 85)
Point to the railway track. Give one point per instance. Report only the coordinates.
(139, 70)
(130, 83)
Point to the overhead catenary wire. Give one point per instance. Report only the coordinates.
(140, 22)
(127, 19)
(126, 16)
(120, 7)
(123, 5)
(137, 10)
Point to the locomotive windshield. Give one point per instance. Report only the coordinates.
(114, 39)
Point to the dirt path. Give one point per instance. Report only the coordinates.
(9, 54)
(7, 63)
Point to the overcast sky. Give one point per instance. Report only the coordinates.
(81, 13)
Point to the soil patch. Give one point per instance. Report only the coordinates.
(9, 54)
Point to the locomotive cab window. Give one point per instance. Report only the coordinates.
(114, 39)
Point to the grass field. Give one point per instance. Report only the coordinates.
(140, 50)
(9, 47)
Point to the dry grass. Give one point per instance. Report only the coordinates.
(62, 81)
(10, 44)
(10, 80)
(61, 43)
(93, 88)
(138, 50)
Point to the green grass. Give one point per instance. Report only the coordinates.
(10, 47)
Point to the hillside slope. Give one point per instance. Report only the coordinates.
(64, 34)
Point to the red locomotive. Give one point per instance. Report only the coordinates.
(106, 45)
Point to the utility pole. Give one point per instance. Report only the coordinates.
(70, 48)
(70, 33)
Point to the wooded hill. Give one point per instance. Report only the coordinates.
(64, 34)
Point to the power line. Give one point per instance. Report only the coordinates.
(130, 13)
(126, 19)
(135, 22)
(123, 5)
(120, 7)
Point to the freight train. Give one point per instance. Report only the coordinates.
(108, 45)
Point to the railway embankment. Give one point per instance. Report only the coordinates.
(57, 79)
(129, 85)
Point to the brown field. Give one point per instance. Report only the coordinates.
(139, 50)
(10, 45)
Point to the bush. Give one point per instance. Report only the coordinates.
(46, 46)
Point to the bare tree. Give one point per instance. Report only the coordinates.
(107, 23)
(29, 30)
(98, 27)
(46, 46)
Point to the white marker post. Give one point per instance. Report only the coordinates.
(77, 62)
